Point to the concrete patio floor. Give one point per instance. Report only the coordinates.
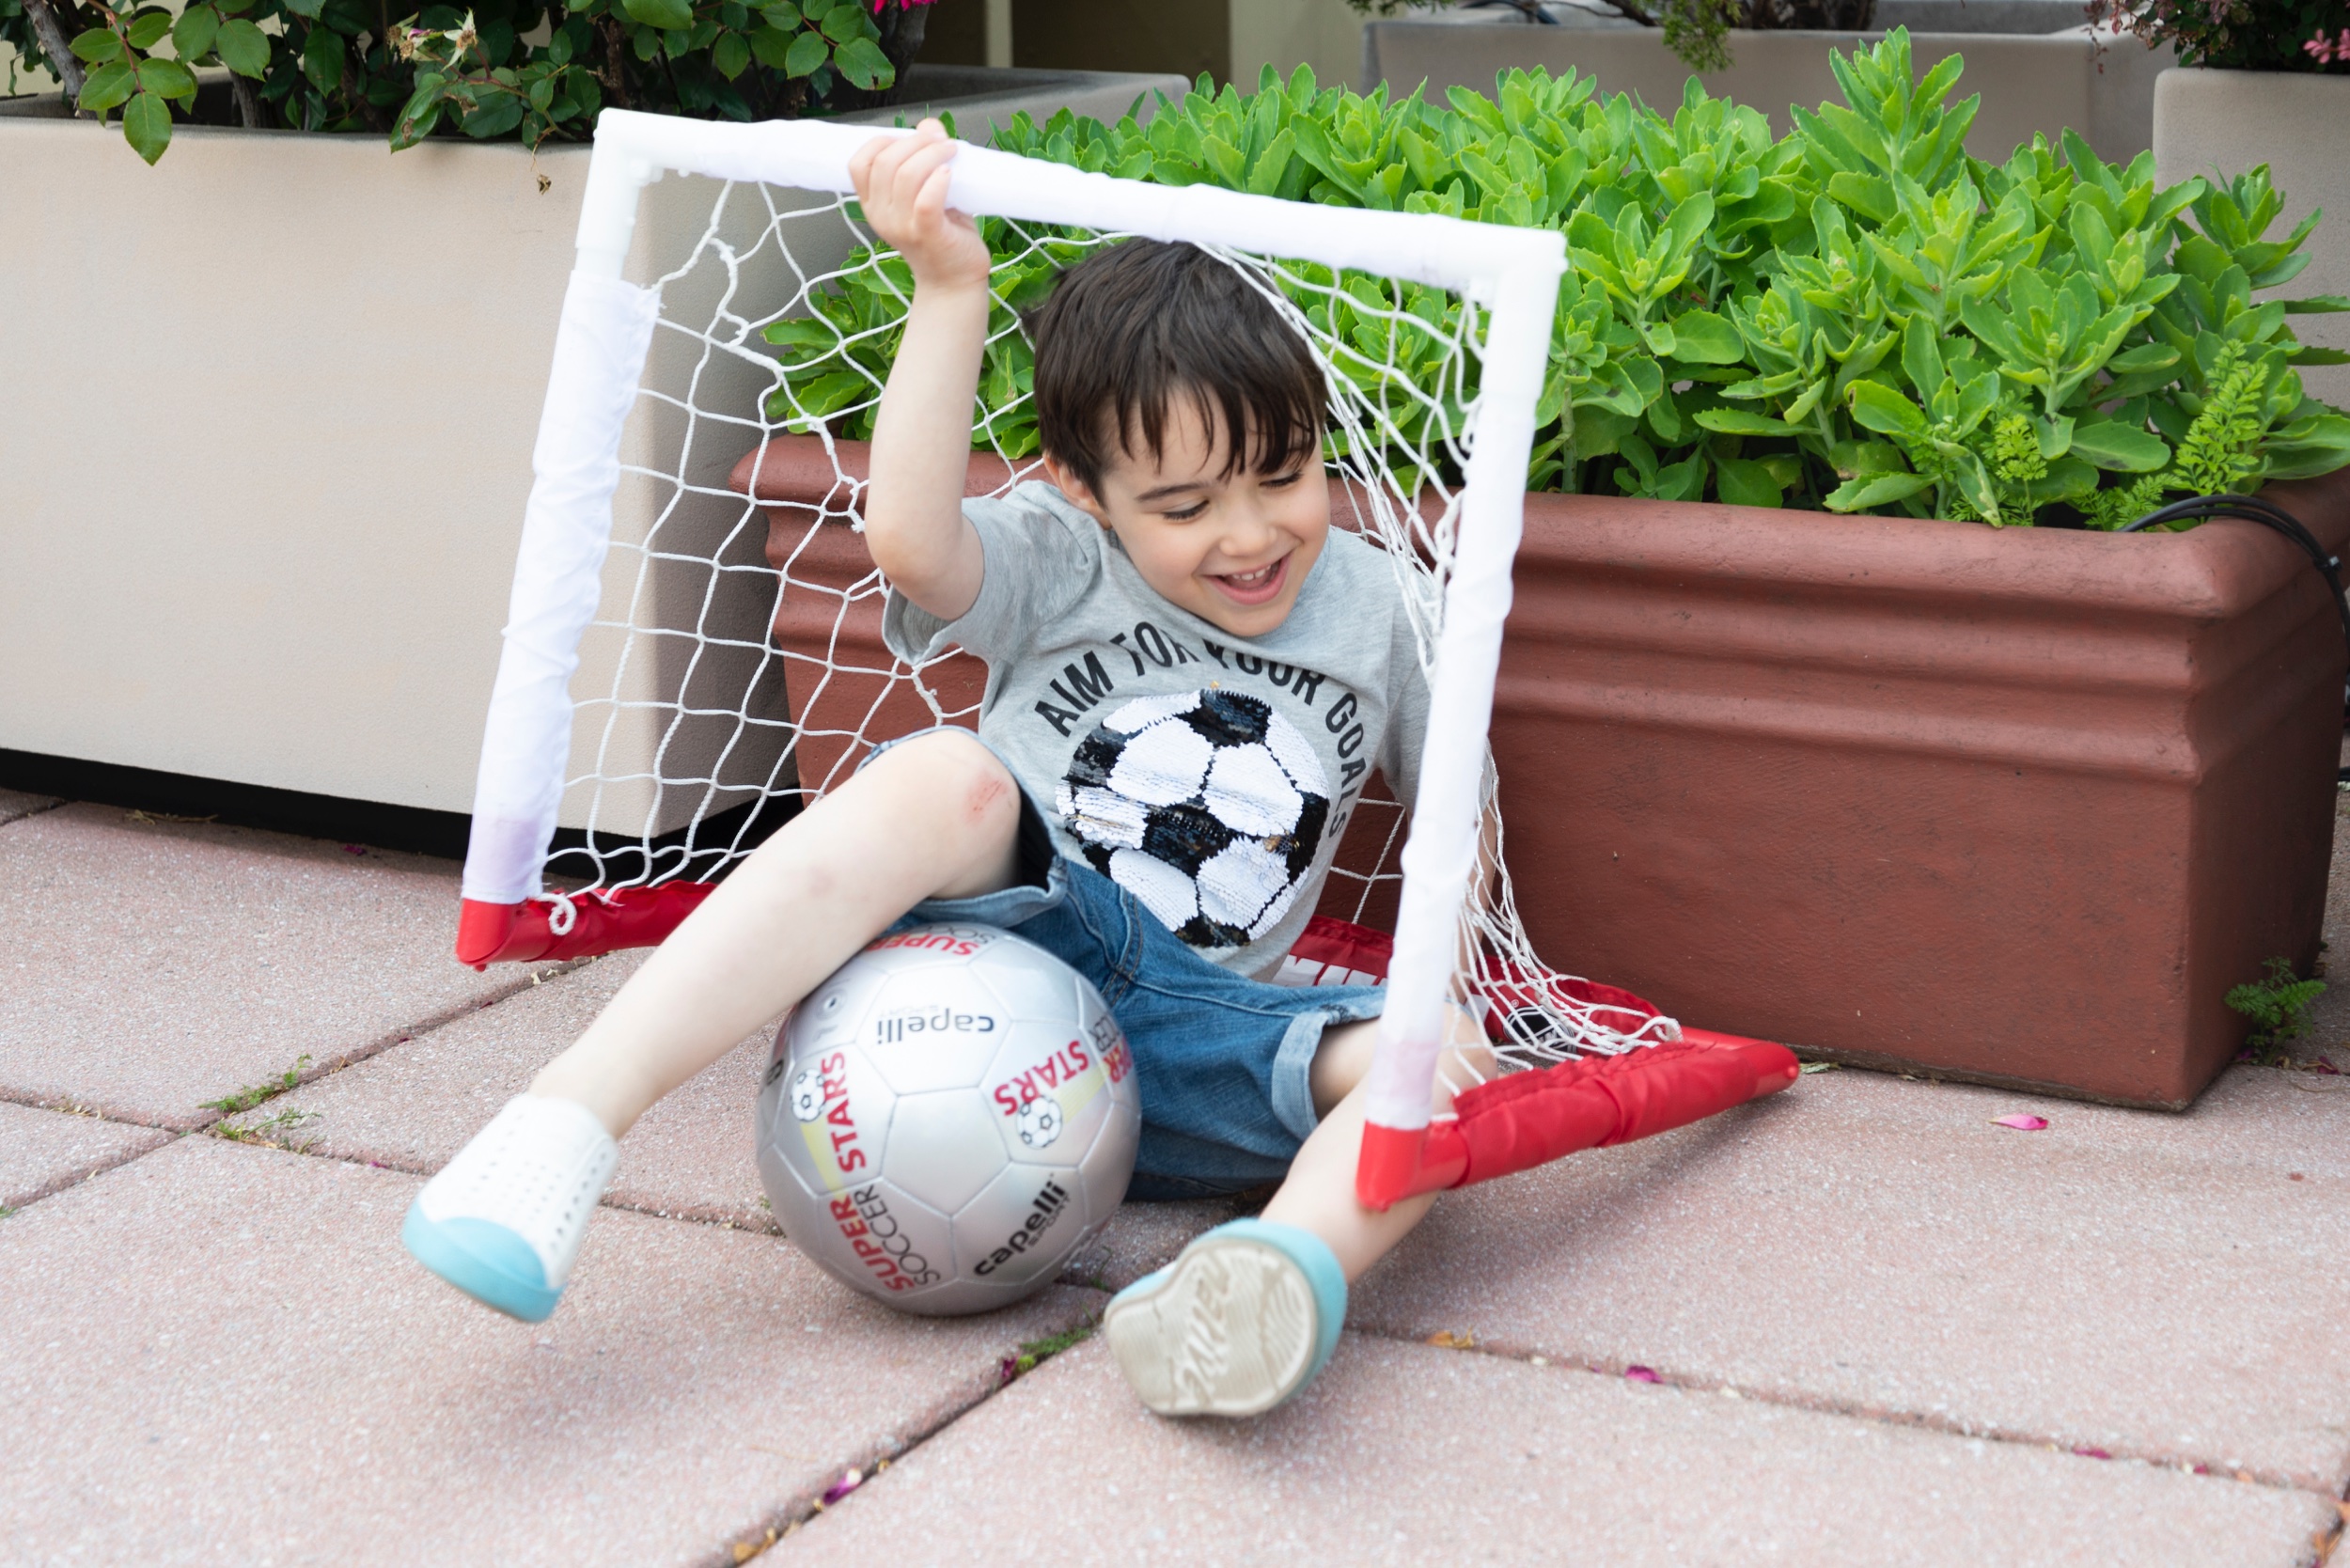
(1858, 1324)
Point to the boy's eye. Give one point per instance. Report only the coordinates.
(1282, 482)
(1185, 514)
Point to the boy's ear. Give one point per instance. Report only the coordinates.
(1075, 488)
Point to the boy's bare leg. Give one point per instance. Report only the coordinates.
(1318, 1194)
(936, 817)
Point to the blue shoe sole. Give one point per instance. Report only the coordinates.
(487, 1262)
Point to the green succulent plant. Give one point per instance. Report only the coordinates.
(1857, 317)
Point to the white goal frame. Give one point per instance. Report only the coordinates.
(600, 346)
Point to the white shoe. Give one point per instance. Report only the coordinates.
(1237, 1324)
(503, 1221)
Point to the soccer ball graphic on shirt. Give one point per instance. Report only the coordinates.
(946, 1118)
(1207, 806)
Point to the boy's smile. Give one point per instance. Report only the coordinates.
(1233, 549)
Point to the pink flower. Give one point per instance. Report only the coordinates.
(2328, 53)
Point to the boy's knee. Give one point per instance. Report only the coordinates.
(962, 776)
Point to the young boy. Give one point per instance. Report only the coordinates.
(1180, 561)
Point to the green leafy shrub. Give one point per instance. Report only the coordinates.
(1857, 315)
(2278, 1004)
(503, 69)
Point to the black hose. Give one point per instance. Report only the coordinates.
(2269, 515)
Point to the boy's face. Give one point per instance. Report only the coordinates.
(1233, 550)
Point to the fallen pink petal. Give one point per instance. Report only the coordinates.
(2021, 1122)
(842, 1487)
(1642, 1375)
(2093, 1453)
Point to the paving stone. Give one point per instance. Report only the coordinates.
(413, 1107)
(45, 1151)
(151, 966)
(1402, 1453)
(13, 804)
(2151, 1285)
(228, 1358)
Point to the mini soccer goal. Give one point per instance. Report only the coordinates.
(693, 645)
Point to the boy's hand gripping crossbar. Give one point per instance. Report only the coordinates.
(1529, 1119)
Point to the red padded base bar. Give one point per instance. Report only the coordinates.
(1529, 1119)
(524, 932)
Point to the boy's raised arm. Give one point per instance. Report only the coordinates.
(914, 521)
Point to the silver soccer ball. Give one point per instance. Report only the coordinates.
(947, 1119)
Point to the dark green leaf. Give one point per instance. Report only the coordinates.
(323, 59)
(97, 46)
(665, 14)
(168, 78)
(147, 125)
(192, 35)
(242, 47)
(783, 16)
(496, 116)
(773, 46)
(148, 30)
(863, 63)
(307, 8)
(422, 113)
(845, 23)
(106, 87)
(2316, 304)
(808, 52)
(731, 55)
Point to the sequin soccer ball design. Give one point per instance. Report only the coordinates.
(1207, 806)
(946, 1118)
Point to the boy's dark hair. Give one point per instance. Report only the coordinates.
(1136, 325)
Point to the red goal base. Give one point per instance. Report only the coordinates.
(1528, 1119)
(538, 930)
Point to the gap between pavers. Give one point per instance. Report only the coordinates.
(228, 1358)
(413, 1107)
(2147, 1285)
(15, 804)
(152, 967)
(45, 1151)
(1402, 1453)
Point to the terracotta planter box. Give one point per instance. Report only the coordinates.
(2222, 123)
(2016, 807)
(2030, 82)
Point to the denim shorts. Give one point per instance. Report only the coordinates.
(1222, 1059)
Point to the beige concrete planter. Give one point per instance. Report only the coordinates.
(2219, 123)
(267, 426)
(2029, 83)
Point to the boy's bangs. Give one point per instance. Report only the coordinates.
(1142, 328)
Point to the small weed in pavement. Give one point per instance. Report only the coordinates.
(2278, 1005)
(271, 1129)
(1035, 1353)
(253, 1094)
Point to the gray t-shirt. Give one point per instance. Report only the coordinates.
(1212, 778)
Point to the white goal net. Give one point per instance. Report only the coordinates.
(694, 647)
